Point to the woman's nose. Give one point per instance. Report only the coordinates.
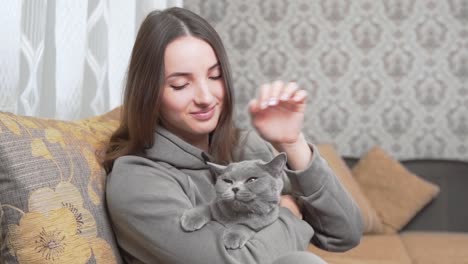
(203, 94)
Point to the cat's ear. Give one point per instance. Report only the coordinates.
(216, 168)
(277, 163)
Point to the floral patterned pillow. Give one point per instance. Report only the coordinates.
(52, 207)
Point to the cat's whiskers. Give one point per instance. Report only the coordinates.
(226, 195)
(245, 196)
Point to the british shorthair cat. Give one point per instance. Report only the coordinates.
(247, 199)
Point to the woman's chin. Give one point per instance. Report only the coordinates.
(203, 130)
(204, 127)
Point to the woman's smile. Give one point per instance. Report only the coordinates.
(204, 114)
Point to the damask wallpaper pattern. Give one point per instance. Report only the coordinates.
(388, 72)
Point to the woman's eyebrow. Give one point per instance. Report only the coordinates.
(214, 66)
(177, 74)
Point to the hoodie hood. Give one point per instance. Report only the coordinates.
(173, 150)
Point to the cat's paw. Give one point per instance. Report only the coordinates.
(192, 220)
(234, 239)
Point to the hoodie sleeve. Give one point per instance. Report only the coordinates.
(146, 217)
(326, 205)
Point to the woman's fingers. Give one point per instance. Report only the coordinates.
(276, 93)
(264, 95)
(288, 91)
(261, 102)
(276, 89)
(300, 96)
(254, 105)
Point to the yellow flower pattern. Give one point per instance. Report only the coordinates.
(66, 195)
(96, 183)
(50, 238)
(39, 149)
(56, 226)
(54, 136)
(93, 133)
(57, 229)
(11, 125)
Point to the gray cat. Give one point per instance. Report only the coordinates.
(247, 200)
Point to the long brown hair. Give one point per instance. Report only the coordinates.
(141, 108)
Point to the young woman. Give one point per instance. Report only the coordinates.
(177, 114)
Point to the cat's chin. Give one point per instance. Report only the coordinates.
(237, 200)
(238, 205)
(252, 206)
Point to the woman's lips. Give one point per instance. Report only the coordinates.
(204, 114)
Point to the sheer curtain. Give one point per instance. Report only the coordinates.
(67, 59)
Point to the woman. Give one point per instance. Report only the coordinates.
(177, 113)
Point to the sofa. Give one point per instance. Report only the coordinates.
(52, 207)
(436, 231)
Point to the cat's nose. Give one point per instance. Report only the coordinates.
(235, 189)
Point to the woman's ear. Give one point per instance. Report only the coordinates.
(216, 169)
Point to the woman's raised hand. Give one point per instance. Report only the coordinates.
(278, 112)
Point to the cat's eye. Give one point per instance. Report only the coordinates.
(227, 181)
(251, 179)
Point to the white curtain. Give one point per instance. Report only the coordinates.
(66, 59)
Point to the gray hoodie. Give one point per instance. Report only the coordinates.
(147, 194)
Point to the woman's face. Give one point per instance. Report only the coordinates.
(194, 89)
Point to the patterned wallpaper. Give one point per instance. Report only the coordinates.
(388, 72)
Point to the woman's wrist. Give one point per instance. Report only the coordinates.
(299, 153)
(288, 146)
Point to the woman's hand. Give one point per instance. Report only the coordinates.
(278, 112)
(278, 116)
(289, 202)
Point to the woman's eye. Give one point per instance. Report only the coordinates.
(215, 77)
(251, 179)
(227, 181)
(179, 87)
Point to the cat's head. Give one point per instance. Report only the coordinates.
(250, 186)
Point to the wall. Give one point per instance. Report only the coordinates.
(390, 72)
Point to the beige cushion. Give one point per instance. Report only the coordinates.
(372, 223)
(436, 247)
(373, 249)
(52, 191)
(395, 193)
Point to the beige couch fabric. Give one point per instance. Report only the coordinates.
(387, 248)
(436, 247)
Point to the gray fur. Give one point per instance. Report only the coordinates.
(255, 206)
